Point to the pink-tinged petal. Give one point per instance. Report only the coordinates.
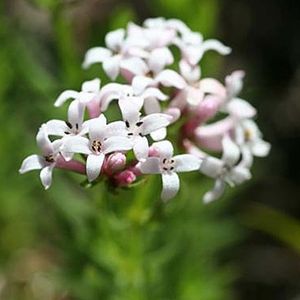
(91, 85)
(260, 148)
(189, 72)
(240, 108)
(114, 39)
(130, 108)
(208, 108)
(32, 162)
(150, 166)
(77, 144)
(151, 106)
(97, 128)
(153, 122)
(212, 86)
(239, 175)
(140, 148)
(211, 166)
(117, 128)
(186, 163)
(170, 78)
(159, 134)
(153, 92)
(140, 83)
(159, 59)
(134, 65)
(93, 166)
(216, 192)
(46, 176)
(174, 113)
(116, 143)
(231, 152)
(43, 141)
(164, 148)
(96, 55)
(234, 83)
(76, 113)
(93, 108)
(64, 96)
(215, 45)
(170, 182)
(57, 127)
(111, 66)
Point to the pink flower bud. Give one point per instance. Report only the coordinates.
(93, 108)
(125, 178)
(114, 163)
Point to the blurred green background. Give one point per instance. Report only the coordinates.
(69, 243)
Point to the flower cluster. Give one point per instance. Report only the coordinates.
(153, 94)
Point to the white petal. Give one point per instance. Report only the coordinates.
(139, 83)
(95, 55)
(97, 128)
(141, 148)
(116, 143)
(77, 144)
(114, 39)
(261, 148)
(159, 59)
(150, 166)
(76, 113)
(234, 83)
(32, 162)
(154, 121)
(212, 86)
(46, 176)
(216, 192)
(231, 152)
(165, 149)
(240, 108)
(153, 92)
(171, 79)
(239, 174)
(109, 92)
(186, 163)
(189, 72)
(93, 166)
(159, 134)
(43, 141)
(134, 65)
(56, 127)
(130, 108)
(116, 128)
(171, 186)
(111, 66)
(211, 166)
(91, 85)
(64, 96)
(247, 157)
(151, 105)
(215, 45)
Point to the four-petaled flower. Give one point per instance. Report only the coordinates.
(168, 166)
(47, 161)
(224, 170)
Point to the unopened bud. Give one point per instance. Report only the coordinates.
(125, 178)
(115, 162)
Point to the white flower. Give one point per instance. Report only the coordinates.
(224, 170)
(169, 165)
(89, 91)
(138, 127)
(75, 124)
(47, 161)
(249, 138)
(103, 139)
(192, 46)
(118, 55)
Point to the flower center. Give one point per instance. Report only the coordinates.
(72, 129)
(49, 158)
(134, 129)
(96, 146)
(248, 134)
(168, 164)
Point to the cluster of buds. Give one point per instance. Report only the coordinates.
(151, 97)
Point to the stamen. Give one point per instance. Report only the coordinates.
(127, 124)
(77, 126)
(69, 124)
(140, 123)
